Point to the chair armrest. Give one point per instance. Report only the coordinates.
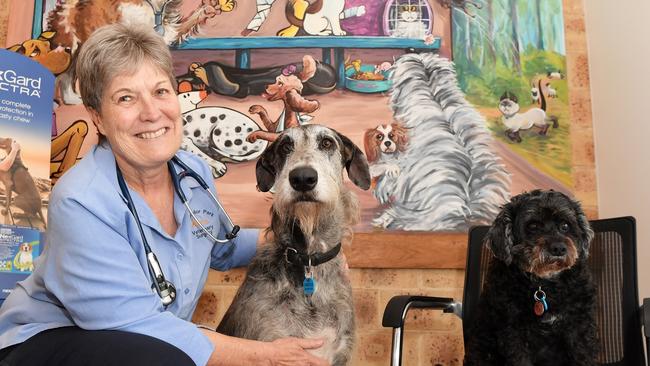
(398, 306)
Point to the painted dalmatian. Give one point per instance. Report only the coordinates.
(218, 135)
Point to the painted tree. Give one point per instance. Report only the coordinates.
(492, 52)
(514, 17)
(540, 33)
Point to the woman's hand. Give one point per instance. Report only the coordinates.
(231, 351)
(293, 351)
(15, 145)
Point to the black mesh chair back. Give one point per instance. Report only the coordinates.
(612, 259)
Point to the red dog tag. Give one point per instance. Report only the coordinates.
(539, 308)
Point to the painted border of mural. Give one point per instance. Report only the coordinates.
(414, 249)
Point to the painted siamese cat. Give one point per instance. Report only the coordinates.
(515, 121)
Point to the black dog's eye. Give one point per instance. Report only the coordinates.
(564, 227)
(532, 227)
(286, 148)
(326, 143)
(379, 136)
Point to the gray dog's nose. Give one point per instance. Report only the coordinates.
(558, 249)
(303, 179)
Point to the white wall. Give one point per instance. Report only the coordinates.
(618, 37)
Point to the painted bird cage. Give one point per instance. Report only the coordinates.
(407, 18)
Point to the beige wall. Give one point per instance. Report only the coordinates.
(619, 59)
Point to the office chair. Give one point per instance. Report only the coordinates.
(613, 261)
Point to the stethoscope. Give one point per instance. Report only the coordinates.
(164, 288)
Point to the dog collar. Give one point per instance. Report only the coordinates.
(294, 257)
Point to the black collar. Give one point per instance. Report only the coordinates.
(293, 256)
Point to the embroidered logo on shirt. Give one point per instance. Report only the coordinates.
(206, 218)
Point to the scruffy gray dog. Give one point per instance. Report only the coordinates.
(295, 285)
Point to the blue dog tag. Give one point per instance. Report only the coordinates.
(309, 286)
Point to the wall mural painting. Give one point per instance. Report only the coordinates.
(447, 142)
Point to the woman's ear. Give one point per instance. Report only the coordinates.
(97, 120)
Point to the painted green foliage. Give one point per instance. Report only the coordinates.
(510, 45)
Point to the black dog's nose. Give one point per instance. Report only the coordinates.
(387, 143)
(558, 249)
(303, 179)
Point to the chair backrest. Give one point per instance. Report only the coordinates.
(612, 259)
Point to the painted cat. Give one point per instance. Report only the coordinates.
(534, 117)
(409, 24)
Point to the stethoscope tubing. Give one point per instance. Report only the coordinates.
(164, 288)
(185, 172)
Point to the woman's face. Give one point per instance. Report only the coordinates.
(140, 117)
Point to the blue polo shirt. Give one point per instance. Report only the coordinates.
(93, 272)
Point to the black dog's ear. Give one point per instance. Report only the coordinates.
(265, 169)
(586, 234)
(355, 163)
(500, 237)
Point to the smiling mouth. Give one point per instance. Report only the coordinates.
(152, 135)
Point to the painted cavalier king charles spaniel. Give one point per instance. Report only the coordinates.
(538, 302)
(382, 145)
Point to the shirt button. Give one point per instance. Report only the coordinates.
(187, 291)
(179, 256)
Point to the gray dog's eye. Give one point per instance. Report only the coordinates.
(326, 143)
(286, 148)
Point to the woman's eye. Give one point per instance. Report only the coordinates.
(162, 91)
(326, 143)
(124, 99)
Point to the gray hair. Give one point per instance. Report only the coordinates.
(118, 49)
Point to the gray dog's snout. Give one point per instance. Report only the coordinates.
(303, 179)
(558, 249)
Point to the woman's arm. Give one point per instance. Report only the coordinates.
(93, 271)
(8, 161)
(230, 351)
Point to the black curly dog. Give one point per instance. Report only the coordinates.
(540, 242)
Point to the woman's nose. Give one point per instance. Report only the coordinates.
(149, 109)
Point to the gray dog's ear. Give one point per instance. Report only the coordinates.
(500, 237)
(585, 233)
(355, 163)
(265, 169)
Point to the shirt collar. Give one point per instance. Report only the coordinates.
(106, 160)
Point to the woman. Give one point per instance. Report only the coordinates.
(8, 161)
(90, 299)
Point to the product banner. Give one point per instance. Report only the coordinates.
(26, 95)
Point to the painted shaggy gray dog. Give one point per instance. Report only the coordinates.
(312, 212)
(450, 177)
